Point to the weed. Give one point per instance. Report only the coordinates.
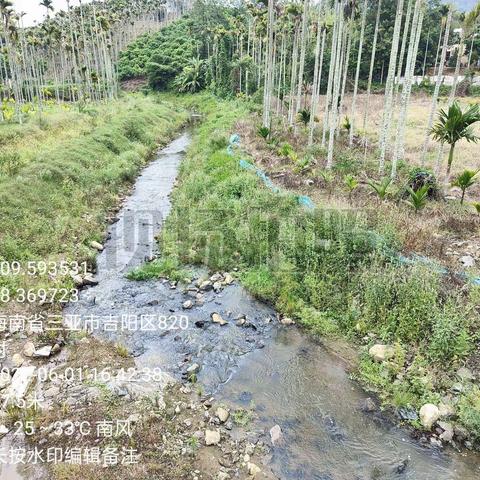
(450, 338)
(469, 411)
(160, 268)
(242, 417)
(122, 350)
(264, 132)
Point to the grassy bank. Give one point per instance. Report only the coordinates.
(326, 269)
(62, 172)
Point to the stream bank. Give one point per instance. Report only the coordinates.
(239, 353)
(232, 354)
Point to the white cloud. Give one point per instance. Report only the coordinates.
(36, 13)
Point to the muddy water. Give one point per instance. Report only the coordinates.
(291, 380)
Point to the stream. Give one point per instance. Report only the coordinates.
(292, 381)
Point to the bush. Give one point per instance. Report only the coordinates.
(450, 338)
(160, 56)
(419, 177)
(469, 412)
(399, 302)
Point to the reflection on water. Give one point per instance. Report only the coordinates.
(10, 471)
(299, 385)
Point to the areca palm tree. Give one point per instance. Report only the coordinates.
(455, 125)
(48, 5)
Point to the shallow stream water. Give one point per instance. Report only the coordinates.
(292, 381)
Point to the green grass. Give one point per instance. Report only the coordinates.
(72, 167)
(160, 268)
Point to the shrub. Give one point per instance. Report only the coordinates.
(469, 412)
(399, 302)
(418, 177)
(263, 132)
(450, 338)
(10, 162)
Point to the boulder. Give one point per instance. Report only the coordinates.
(369, 405)
(275, 434)
(253, 470)
(17, 360)
(287, 321)
(467, 261)
(96, 245)
(21, 382)
(381, 353)
(429, 414)
(222, 414)
(43, 352)
(193, 368)
(228, 279)
(77, 279)
(465, 374)
(29, 349)
(187, 305)
(89, 279)
(206, 286)
(212, 437)
(447, 435)
(216, 277)
(5, 380)
(446, 410)
(216, 318)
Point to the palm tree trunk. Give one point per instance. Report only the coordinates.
(319, 52)
(357, 73)
(336, 85)
(372, 64)
(268, 66)
(387, 111)
(407, 84)
(303, 48)
(403, 48)
(438, 84)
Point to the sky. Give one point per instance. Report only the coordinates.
(35, 12)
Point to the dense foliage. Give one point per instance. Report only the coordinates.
(220, 34)
(162, 55)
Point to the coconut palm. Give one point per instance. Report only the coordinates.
(455, 125)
